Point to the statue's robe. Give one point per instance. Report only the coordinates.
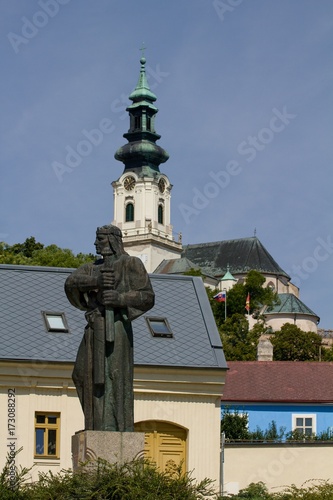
(103, 371)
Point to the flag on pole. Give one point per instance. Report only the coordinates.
(247, 303)
(220, 297)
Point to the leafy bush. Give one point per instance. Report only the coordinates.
(255, 491)
(135, 480)
(321, 491)
(258, 491)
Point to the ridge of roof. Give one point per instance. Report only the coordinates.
(212, 243)
(66, 270)
(20, 267)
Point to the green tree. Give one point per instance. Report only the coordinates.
(293, 344)
(236, 297)
(253, 286)
(234, 424)
(239, 343)
(32, 253)
(327, 353)
(218, 308)
(27, 248)
(269, 434)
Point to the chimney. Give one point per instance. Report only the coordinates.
(264, 349)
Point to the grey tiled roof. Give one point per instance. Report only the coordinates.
(241, 255)
(175, 266)
(26, 291)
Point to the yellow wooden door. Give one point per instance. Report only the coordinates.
(164, 443)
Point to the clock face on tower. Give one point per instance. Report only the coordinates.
(161, 185)
(129, 183)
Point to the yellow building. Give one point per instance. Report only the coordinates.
(179, 372)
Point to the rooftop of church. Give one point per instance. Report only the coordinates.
(241, 255)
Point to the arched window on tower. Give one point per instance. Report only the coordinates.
(160, 214)
(129, 212)
(148, 123)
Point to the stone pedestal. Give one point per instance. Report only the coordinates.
(111, 446)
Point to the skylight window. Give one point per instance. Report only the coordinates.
(159, 327)
(55, 321)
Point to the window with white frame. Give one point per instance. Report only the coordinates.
(55, 321)
(305, 424)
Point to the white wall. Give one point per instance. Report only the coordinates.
(277, 465)
(304, 322)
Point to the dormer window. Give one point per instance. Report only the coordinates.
(55, 321)
(159, 327)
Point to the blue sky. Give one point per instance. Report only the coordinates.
(244, 94)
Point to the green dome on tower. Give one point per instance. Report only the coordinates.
(141, 154)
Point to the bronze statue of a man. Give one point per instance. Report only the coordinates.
(113, 290)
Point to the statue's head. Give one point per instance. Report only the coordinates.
(109, 240)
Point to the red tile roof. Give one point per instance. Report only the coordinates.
(282, 381)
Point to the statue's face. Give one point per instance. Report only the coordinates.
(102, 244)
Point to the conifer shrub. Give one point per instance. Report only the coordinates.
(136, 480)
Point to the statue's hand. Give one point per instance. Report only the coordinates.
(111, 298)
(106, 280)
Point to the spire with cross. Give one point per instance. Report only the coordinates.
(143, 48)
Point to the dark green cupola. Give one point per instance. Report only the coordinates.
(142, 155)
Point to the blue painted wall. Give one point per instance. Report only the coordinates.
(261, 415)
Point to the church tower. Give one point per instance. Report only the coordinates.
(142, 193)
